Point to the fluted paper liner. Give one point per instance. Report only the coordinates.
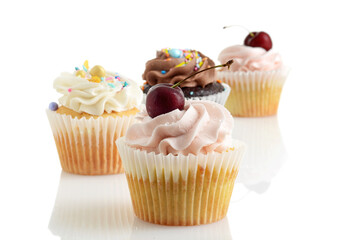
(87, 146)
(180, 190)
(254, 94)
(218, 97)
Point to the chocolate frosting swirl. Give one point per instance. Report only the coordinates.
(163, 62)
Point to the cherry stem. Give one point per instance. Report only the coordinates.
(251, 34)
(227, 64)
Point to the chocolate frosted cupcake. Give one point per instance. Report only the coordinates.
(172, 65)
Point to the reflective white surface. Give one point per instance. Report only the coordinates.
(99, 207)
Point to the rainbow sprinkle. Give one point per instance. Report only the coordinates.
(111, 81)
(188, 56)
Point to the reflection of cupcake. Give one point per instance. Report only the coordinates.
(96, 108)
(181, 165)
(173, 65)
(215, 231)
(265, 153)
(256, 78)
(89, 207)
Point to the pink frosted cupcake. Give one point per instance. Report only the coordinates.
(181, 165)
(256, 78)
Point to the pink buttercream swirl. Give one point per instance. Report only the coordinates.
(250, 58)
(202, 127)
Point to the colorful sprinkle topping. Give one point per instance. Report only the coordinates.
(188, 54)
(163, 72)
(97, 74)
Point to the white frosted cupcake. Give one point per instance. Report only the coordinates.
(181, 165)
(256, 78)
(96, 108)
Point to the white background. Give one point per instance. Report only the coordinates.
(313, 195)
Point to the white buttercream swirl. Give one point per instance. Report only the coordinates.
(81, 95)
(250, 58)
(202, 127)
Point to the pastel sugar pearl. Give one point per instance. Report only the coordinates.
(98, 71)
(175, 53)
(53, 106)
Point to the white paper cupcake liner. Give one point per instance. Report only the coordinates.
(218, 97)
(87, 146)
(254, 94)
(180, 190)
(92, 207)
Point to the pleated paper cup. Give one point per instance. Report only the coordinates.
(219, 98)
(180, 190)
(254, 94)
(87, 146)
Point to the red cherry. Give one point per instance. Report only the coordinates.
(258, 39)
(163, 98)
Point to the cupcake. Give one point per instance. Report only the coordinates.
(96, 108)
(181, 166)
(256, 77)
(171, 65)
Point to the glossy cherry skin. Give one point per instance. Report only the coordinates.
(258, 39)
(162, 98)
